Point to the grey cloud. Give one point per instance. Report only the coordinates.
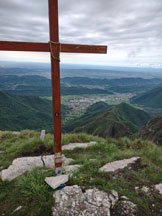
(122, 24)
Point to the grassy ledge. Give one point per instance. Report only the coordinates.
(31, 192)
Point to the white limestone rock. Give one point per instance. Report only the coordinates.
(97, 198)
(129, 208)
(66, 161)
(71, 201)
(71, 169)
(136, 188)
(24, 164)
(125, 208)
(48, 161)
(67, 201)
(55, 181)
(151, 190)
(159, 188)
(72, 146)
(42, 136)
(124, 198)
(113, 196)
(119, 165)
(20, 166)
(145, 189)
(17, 209)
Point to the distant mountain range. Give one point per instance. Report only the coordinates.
(110, 82)
(26, 112)
(152, 98)
(71, 70)
(109, 121)
(41, 86)
(120, 85)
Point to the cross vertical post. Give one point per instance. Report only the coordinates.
(54, 47)
(55, 76)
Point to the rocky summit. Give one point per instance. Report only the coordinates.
(107, 177)
(71, 201)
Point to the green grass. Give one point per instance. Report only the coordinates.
(29, 191)
(29, 143)
(149, 174)
(32, 193)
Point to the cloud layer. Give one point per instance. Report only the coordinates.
(131, 29)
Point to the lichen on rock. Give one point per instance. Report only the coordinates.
(71, 201)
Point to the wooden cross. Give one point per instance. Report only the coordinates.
(54, 47)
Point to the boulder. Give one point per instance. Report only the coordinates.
(71, 201)
(159, 188)
(119, 165)
(21, 165)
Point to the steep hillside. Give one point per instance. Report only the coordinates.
(152, 98)
(109, 121)
(153, 131)
(90, 114)
(25, 112)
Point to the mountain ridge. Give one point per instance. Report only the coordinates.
(111, 121)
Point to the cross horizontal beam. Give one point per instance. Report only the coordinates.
(45, 47)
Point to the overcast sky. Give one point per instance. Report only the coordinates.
(132, 29)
